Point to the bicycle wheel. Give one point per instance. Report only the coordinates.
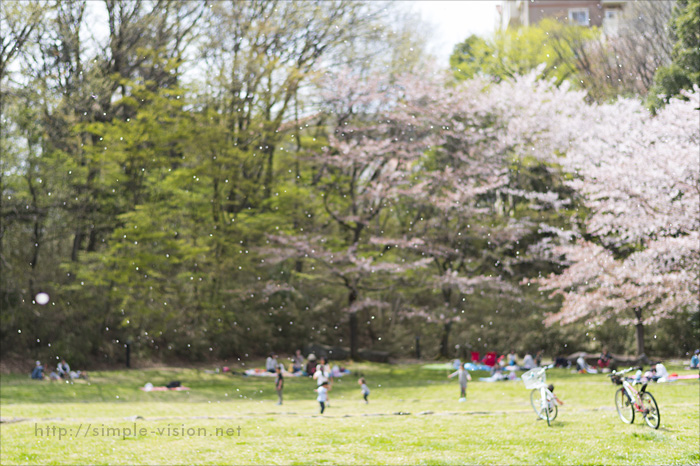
(553, 410)
(536, 402)
(651, 410)
(625, 407)
(538, 405)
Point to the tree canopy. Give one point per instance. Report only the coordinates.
(223, 180)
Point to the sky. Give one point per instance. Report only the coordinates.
(454, 21)
(450, 22)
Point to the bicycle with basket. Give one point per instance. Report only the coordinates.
(543, 400)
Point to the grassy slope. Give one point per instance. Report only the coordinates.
(496, 425)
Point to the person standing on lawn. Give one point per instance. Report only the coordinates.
(463, 376)
(322, 397)
(364, 388)
(279, 384)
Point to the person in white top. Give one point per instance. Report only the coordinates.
(661, 372)
(528, 362)
(271, 363)
(323, 375)
(63, 369)
(322, 397)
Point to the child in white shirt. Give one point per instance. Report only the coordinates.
(322, 391)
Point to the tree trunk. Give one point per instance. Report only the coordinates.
(352, 297)
(640, 332)
(353, 336)
(445, 342)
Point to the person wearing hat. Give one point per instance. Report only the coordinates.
(311, 365)
(38, 371)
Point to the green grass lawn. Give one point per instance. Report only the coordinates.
(413, 418)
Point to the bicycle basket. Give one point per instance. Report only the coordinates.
(534, 378)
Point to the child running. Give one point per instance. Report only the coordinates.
(550, 387)
(364, 388)
(322, 391)
(463, 377)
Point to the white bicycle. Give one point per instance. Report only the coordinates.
(543, 400)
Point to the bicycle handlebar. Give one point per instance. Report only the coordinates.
(629, 369)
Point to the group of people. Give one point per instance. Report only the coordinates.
(510, 361)
(324, 385)
(603, 363)
(62, 371)
(318, 369)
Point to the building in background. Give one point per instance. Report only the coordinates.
(600, 13)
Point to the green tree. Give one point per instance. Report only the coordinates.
(684, 70)
(517, 51)
(473, 57)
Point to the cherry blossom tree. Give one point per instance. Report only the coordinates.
(376, 137)
(638, 255)
(463, 208)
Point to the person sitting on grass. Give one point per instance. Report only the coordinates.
(695, 360)
(583, 367)
(512, 358)
(53, 375)
(659, 373)
(605, 358)
(297, 362)
(322, 397)
(364, 388)
(311, 365)
(561, 361)
(63, 369)
(38, 371)
(538, 358)
(271, 363)
(463, 376)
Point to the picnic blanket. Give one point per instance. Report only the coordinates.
(261, 373)
(164, 389)
(448, 367)
(683, 377)
(500, 378)
(264, 373)
(335, 372)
